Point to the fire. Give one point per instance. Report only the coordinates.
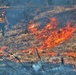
(70, 54)
(2, 50)
(51, 35)
(32, 27)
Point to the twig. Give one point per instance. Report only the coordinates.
(16, 58)
(39, 58)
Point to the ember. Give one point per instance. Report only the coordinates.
(70, 54)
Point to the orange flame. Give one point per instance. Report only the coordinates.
(70, 54)
(51, 35)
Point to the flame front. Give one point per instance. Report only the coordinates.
(51, 35)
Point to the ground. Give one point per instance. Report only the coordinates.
(17, 37)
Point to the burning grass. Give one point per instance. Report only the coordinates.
(49, 36)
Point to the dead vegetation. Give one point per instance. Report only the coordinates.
(18, 39)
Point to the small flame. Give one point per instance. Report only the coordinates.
(2, 50)
(70, 54)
